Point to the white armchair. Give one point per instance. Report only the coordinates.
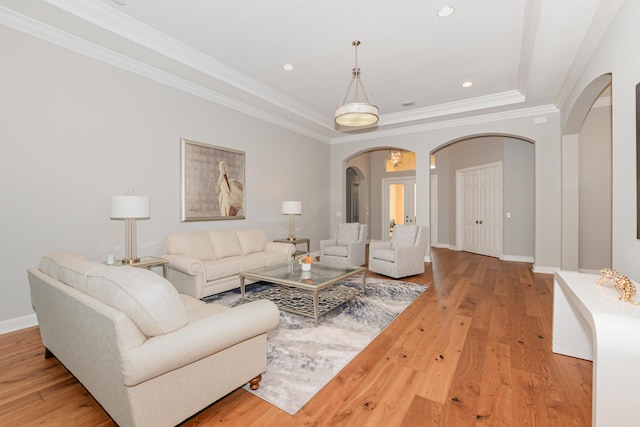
(347, 246)
(403, 255)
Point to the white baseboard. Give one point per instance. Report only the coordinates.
(18, 323)
(544, 270)
(441, 245)
(517, 258)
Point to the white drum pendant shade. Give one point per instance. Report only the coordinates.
(356, 114)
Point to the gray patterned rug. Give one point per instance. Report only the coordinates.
(302, 358)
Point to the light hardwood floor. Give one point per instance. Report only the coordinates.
(473, 350)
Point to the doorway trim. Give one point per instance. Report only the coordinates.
(385, 200)
(433, 209)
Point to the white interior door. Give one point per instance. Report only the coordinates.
(399, 203)
(480, 209)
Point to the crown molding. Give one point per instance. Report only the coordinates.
(124, 26)
(529, 30)
(463, 106)
(466, 121)
(53, 35)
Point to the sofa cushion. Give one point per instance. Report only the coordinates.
(49, 263)
(225, 243)
(194, 244)
(348, 233)
(404, 235)
(251, 240)
(74, 270)
(150, 301)
(336, 251)
(252, 261)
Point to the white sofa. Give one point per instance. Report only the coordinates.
(203, 263)
(149, 355)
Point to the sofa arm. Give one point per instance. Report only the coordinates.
(184, 264)
(373, 246)
(285, 248)
(197, 340)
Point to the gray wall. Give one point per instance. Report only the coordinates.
(519, 200)
(76, 131)
(594, 194)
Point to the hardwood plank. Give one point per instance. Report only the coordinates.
(495, 403)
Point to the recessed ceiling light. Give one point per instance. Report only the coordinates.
(467, 84)
(288, 67)
(446, 11)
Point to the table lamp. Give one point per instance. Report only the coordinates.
(130, 208)
(291, 208)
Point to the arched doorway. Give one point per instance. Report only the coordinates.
(510, 229)
(354, 196)
(374, 168)
(587, 180)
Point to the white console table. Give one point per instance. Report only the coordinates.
(590, 322)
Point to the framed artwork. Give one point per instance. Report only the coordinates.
(212, 184)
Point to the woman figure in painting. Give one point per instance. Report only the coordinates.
(229, 192)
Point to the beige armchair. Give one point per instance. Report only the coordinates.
(403, 255)
(347, 246)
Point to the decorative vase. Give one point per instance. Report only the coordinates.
(305, 267)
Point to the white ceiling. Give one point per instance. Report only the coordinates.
(519, 54)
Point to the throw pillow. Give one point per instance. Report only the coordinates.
(150, 301)
(348, 233)
(252, 240)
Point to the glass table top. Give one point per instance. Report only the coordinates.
(291, 273)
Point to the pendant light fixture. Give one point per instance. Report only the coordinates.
(356, 113)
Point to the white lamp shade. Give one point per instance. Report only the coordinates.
(123, 207)
(356, 114)
(292, 207)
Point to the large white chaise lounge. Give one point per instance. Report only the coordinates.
(149, 355)
(203, 263)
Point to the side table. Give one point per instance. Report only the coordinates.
(297, 241)
(149, 262)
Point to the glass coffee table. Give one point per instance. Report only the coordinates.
(308, 293)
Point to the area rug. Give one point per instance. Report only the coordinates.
(302, 358)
